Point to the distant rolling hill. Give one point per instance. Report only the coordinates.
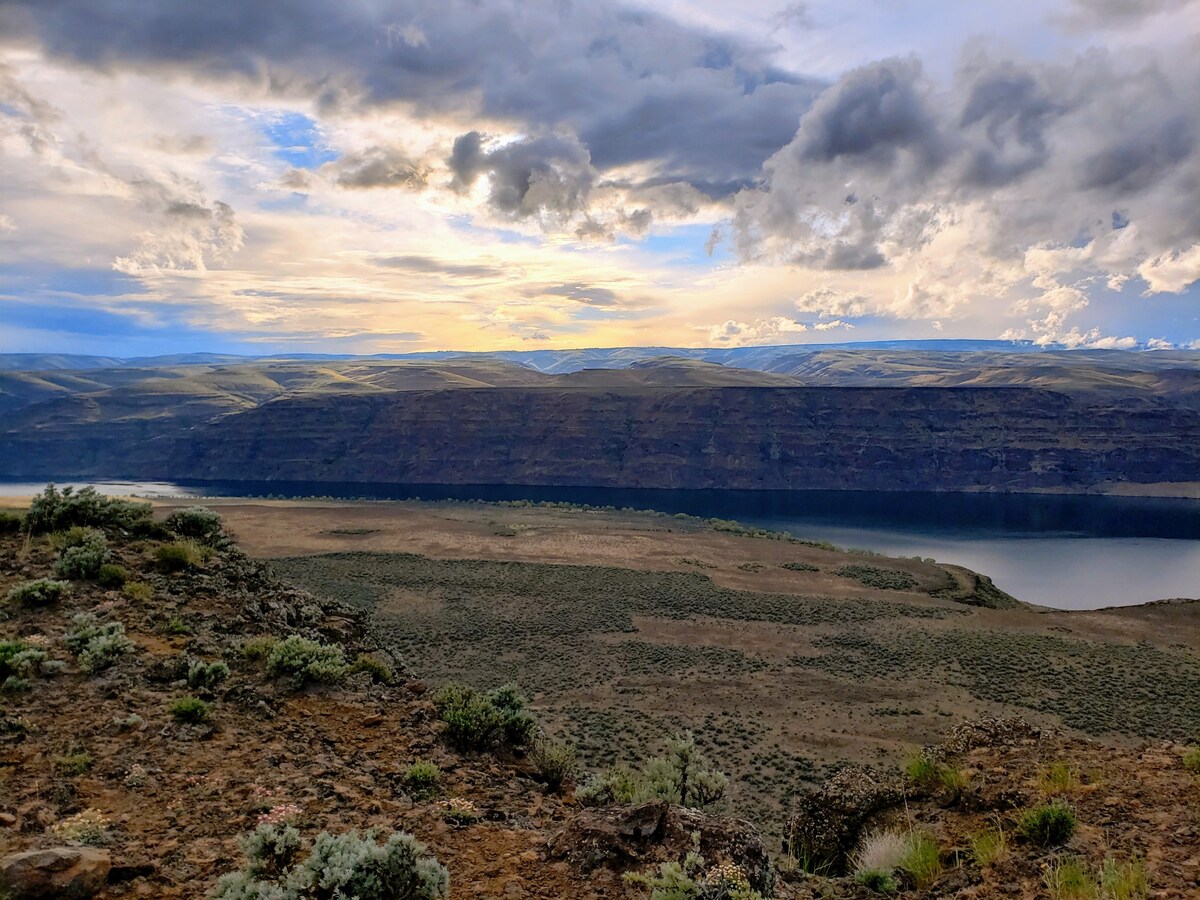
(550, 361)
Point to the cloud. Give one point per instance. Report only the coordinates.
(795, 15)
(588, 294)
(188, 230)
(429, 265)
(563, 163)
(773, 329)
(1172, 272)
(828, 302)
(758, 331)
(875, 117)
(1119, 13)
(377, 167)
(1093, 161)
(544, 177)
(635, 88)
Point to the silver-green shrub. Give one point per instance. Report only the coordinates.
(206, 676)
(98, 644)
(83, 556)
(307, 661)
(41, 592)
(683, 775)
(198, 522)
(347, 865)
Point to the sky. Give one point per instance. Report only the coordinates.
(385, 177)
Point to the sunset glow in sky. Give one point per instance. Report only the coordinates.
(363, 176)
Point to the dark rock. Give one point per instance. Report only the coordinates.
(168, 669)
(626, 837)
(131, 869)
(988, 731)
(825, 826)
(64, 873)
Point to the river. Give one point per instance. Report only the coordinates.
(1068, 552)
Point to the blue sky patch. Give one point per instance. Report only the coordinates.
(297, 140)
(684, 246)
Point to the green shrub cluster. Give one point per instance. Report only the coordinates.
(38, 593)
(138, 590)
(422, 777)
(112, 576)
(198, 523)
(799, 567)
(693, 879)
(481, 721)
(180, 555)
(1191, 760)
(877, 880)
(347, 865)
(10, 523)
(683, 775)
(873, 576)
(205, 676)
(98, 644)
(1049, 825)
(55, 510)
(729, 526)
(73, 764)
(380, 672)
(307, 661)
(19, 662)
(257, 648)
(555, 761)
(190, 709)
(84, 551)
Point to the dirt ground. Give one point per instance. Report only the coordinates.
(844, 672)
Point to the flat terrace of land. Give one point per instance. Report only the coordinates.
(783, 657)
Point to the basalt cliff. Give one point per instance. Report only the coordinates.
(675, 425)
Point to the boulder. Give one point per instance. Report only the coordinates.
(825, 825)
(625, 837)
(988, 731)
(68, 873)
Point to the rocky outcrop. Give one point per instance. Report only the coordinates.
(62, 873)
(826, 822)
(999, 439)
(626, 837)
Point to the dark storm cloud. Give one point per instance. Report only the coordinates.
(544, 176)
(871, 116)
(1134, 162)
(886, 158)
(1010, 109)
(632, 86)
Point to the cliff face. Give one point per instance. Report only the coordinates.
(1004, 439)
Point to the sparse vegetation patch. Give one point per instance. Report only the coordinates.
(875, 577)
(39, 592)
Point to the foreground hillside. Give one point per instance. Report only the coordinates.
(866, 419)
(181, 696)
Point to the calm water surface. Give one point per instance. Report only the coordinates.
(1065, 552)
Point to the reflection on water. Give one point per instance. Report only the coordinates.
(112, 488)
(1050, 569)
(1063, 551)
